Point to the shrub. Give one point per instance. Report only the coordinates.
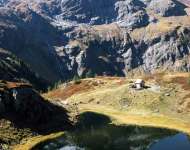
(76, 79)
(161, 98)
(55, 85)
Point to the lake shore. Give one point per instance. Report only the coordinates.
(118, 118)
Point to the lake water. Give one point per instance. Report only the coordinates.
(104, 136)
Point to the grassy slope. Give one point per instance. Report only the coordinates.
(113, 97)
(120, 118)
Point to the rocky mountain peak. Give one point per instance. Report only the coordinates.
(126, 13)
(73, 37)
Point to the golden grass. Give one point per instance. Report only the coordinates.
(144, 107)
(32, 142)
(116, 94)
(121, 118)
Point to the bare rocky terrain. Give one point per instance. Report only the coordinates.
(61, 39)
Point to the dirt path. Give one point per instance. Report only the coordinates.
(121, 117)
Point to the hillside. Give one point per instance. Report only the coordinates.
(14, 69)
(164, 103)
(62, 39)
(25, 114)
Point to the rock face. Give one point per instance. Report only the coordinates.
(167, 7)
(63, 38)
(103, 11)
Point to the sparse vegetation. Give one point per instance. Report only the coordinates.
(55, 85)
(76, 79)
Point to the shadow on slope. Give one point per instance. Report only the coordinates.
(30, 110)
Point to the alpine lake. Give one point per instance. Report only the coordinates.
(95, 132)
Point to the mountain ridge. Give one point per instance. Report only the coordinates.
(69, 38)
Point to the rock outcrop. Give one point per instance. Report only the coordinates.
(97, 12)
(167, 8)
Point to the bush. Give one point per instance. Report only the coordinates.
(55, 85)
(76, 79)
(161, 98)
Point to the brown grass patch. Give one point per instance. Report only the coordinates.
(71, 89)
(10, 85)
(183, 81)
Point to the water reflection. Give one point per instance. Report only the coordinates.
(71, 148)
(104, 136)
(176, 142)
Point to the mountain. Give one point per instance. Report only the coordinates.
(14, 69)
(45, 41)
(59, 39)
